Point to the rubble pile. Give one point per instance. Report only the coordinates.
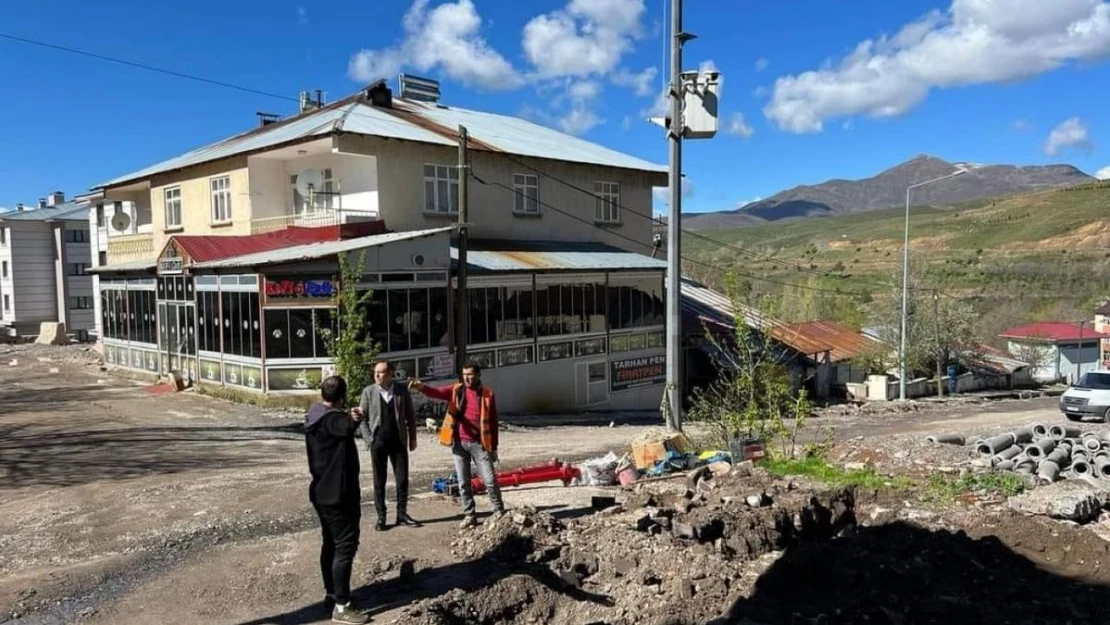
(674, 551)
(1048, 453)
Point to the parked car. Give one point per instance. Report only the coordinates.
(1090, 397)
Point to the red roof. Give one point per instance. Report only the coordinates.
(842, 342)
(204, 248)
(1055, 331)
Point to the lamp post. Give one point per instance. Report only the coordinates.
(906, 281)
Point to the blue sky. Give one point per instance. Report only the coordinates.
(812, 89)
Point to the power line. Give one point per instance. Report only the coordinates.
(151, 68)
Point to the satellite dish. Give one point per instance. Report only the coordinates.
(310, 181)
(120, 221)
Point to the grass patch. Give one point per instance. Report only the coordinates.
(947, 488)
(819, 469)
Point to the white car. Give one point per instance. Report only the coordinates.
(1090, 397)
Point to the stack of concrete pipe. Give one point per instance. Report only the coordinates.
(1049, 453)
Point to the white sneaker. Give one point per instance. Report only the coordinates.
(348, 615)
(469, 521)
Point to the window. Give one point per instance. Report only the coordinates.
(527, 188)
(82, 303)
(607, 209)
(100, 215)
(102, 258)
(7, 303)
(77, 269)
(441, 189)
(172, 198)
(635, 302)
(221, 199)
(4, 273)
(77, 236)
(3, 236)
(570, 308)
(322, 199)
(297, 332)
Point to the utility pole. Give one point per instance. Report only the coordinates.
(677, 128)
(1079, 356)
(940, 350)
(462, 299)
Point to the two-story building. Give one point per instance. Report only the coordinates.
(220, 263)
(44, 262)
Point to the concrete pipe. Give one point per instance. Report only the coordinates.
(1061, 455)
(1026, 467)
(1060, 432)
(1102, 467)
(1103, 435)
(1091, 442)
(1005, 465)
(1048, 471)
(1009, 453)
(948, 439)
(1040, 448)
(1081, 468)
(1039, 431)
(1023, 435)
(995, 444)
(1080, 454)
(1102, 453)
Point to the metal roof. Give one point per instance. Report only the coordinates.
(204, 248)
(69, 211)
(409, 120)
(554, 256)
(1053, 331)
(313, 251)
(844, 342)
(134, 265)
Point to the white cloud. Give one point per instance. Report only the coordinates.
(1103, 174)
(744, 203)
(662, 195)
(761, 65)
(579, 121)
(302, 16)
(642, 83)
(446, 39)
(738, 127)
(1069, 134)
(586, 37)
(1023, 125)
(626, 123)
(578, 99)
(973, 42)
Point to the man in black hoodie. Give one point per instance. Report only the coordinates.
(335, 493)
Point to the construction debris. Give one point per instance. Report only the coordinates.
(1045, 454)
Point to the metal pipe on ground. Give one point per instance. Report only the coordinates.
(1102, 467)
(1048, 471)
(948, 439)
(1040, 448)
(1060, 432)
(995, 444)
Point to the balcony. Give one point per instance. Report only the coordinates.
(322, 218)
(127, 247)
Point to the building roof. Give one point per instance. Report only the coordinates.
(313, 251)
(407, 120)
(68, 211)
(1104, 309)
(1053, 331)
(541, 256)
(845, 343)
(204, 248)
(132, 265)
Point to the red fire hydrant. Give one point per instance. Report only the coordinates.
(547, 472)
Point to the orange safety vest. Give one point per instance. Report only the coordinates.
(448, 432)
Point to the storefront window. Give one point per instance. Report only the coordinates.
(635, 302)
(297, 332)
(401, 319)
(239, 323)
(570, 309)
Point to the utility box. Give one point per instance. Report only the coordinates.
(699, 104)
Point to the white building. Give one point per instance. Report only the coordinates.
(44, 261)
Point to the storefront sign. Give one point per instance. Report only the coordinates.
(300, 289)
(171, 261)
(635, 372)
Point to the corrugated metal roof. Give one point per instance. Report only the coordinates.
(430, 123)
(554, 256)
(134, 265)
(204, 248)
(1055, 331)
(845, 343)
(312, 251)
(69, 211)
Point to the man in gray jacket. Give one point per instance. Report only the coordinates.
(389, 431)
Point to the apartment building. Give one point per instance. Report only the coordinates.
(221, 263)
(44, 262)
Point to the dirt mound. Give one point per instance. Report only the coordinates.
(670, 551)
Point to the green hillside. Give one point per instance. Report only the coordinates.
(1038, 256)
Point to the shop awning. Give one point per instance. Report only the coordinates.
(315, 251)
(541, 256)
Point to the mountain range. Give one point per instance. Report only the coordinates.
(888, 189)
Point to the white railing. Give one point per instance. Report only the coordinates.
(313, 219)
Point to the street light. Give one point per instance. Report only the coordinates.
(906, 280)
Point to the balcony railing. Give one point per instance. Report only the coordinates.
(313, 219)
(130, 245)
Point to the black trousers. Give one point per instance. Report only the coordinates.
(380, 457)
(339, 525)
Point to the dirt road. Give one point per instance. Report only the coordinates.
(118, 506)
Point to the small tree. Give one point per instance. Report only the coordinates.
(754, 395)
(348, 340)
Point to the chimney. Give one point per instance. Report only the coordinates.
(379, 95)
(319, 97)
(307, 103)
(265, 119)
(56, 198)
(42, 202)
(19, 207)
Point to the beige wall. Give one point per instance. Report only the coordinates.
(401, 179)
(196, 200)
